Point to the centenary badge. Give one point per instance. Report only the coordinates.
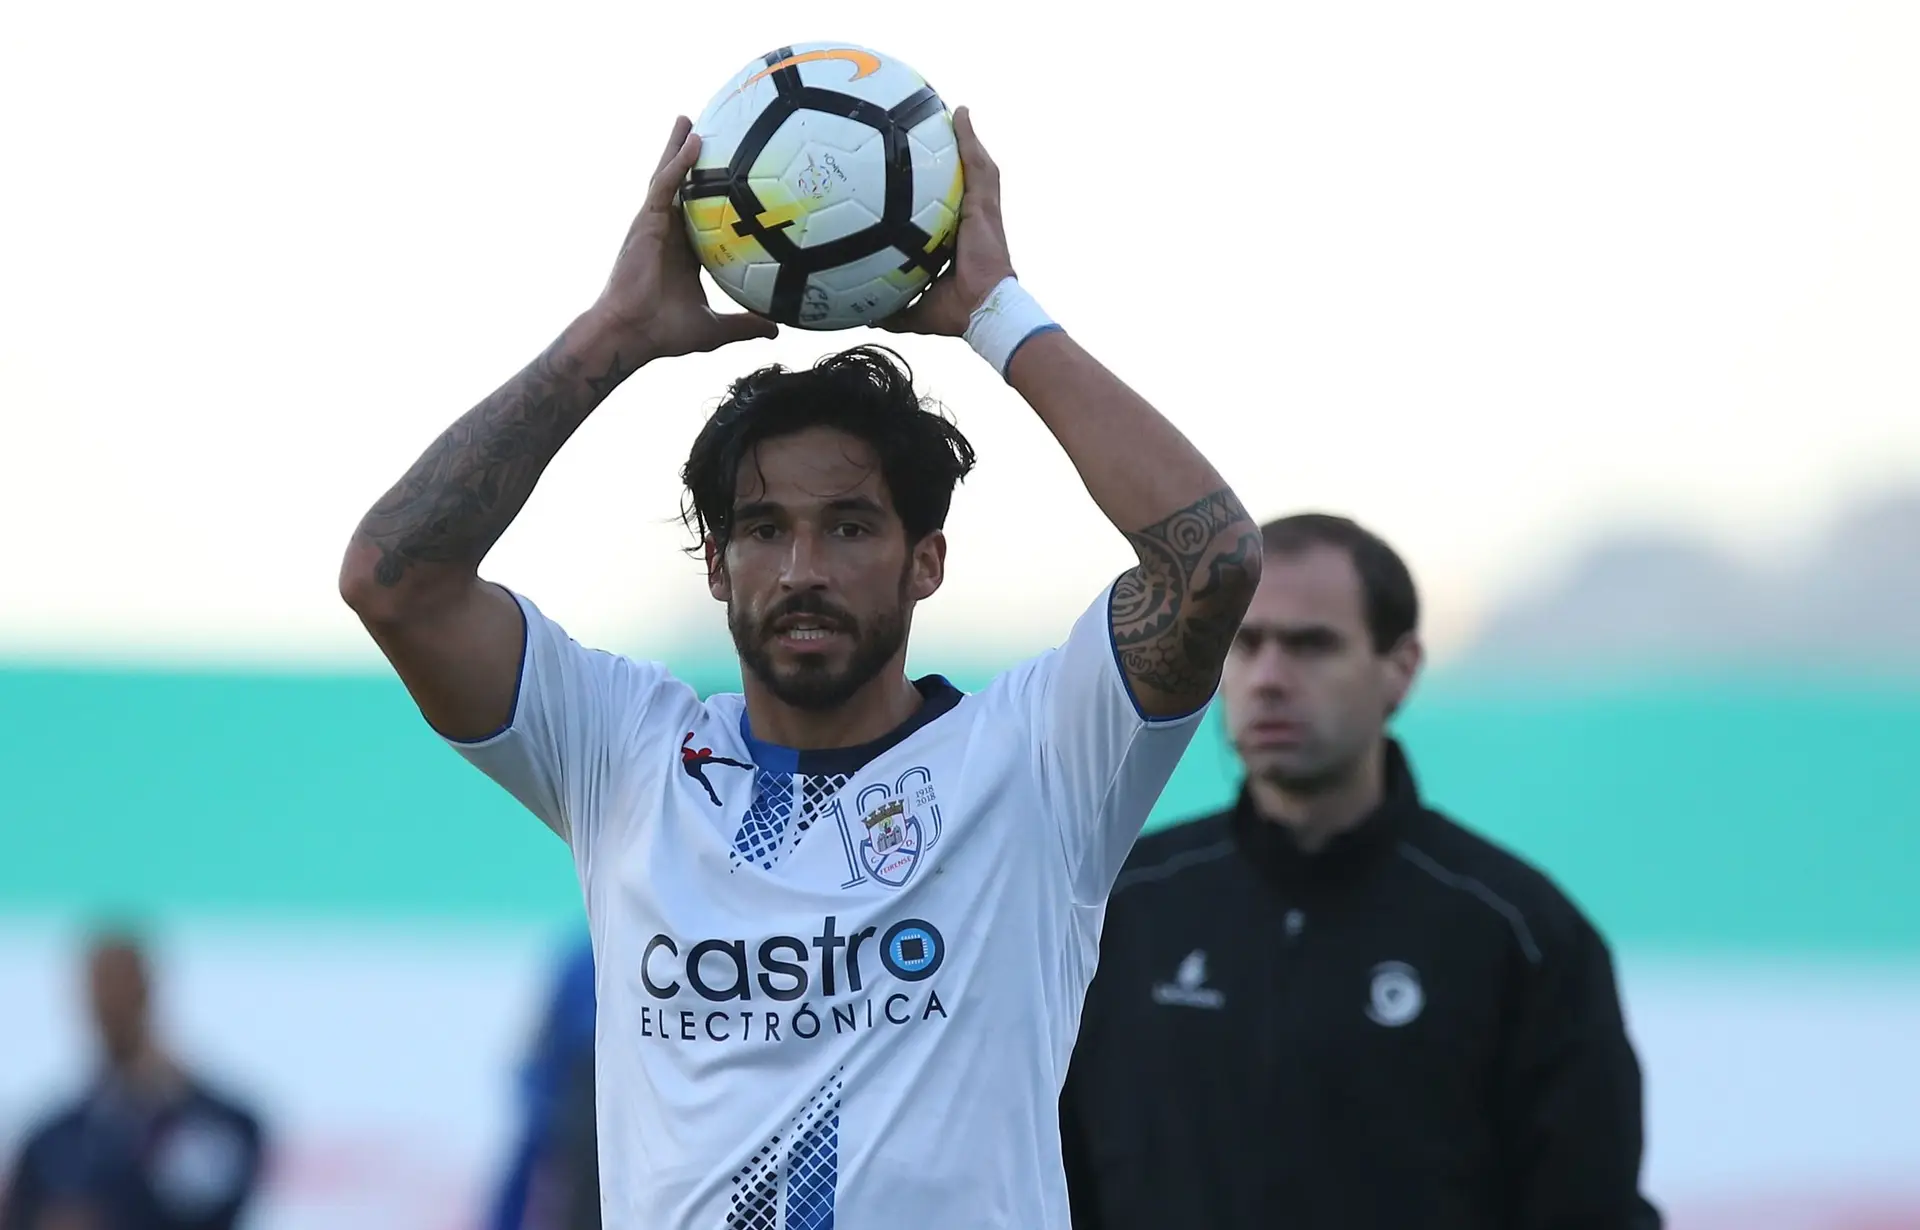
(893, 842)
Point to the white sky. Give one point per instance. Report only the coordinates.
(1488, 276)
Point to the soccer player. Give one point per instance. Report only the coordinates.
(842, 988)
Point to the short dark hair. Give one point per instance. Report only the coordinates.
(116, 933)
(115, 937)
(866, 392)
(1386, 586)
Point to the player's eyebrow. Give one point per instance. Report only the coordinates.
(755, 509)
(856, 503)
(1304, 635)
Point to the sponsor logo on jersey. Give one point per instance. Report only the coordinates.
(804, 986)
(694, 761)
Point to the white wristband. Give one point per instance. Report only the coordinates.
(1006, 321)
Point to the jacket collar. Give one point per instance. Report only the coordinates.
(1272, 848)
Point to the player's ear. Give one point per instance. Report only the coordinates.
(928, 567)
(1402, 664)
(717, 583)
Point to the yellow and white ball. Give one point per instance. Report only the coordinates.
(827, 192)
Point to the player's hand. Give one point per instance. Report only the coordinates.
(654, 291)
(980, 258)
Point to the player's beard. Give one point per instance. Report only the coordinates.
(815, 684)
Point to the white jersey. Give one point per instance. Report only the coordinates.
(836, 988)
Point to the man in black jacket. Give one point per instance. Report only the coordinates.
(1331, 1007)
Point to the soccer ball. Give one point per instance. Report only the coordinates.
(827, 191)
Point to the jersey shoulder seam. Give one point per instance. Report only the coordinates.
(1175, 862)
(1476, 888)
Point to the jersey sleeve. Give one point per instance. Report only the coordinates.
(576, 720)
(1103, 763)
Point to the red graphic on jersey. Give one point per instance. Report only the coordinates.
(696, 759)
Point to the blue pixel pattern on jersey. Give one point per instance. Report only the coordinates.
(811, 1169)
(764, 826)
(813, 1173)
(784, 807)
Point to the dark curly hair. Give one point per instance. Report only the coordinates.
(866, 392)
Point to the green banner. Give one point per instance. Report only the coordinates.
(1733, 814)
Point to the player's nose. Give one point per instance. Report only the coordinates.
(801, 569)
(1272, 671)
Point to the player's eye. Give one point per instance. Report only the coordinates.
(850, 529)
(762, 532)
(1317, 643)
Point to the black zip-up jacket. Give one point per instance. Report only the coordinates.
(1411, 1028)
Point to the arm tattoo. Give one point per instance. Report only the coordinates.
(457, 500)
(1176, 612)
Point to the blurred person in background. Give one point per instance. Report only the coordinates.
(1331, 1007)
(148, 1145)
(552, 1178)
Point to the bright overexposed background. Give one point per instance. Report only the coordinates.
(1488, 275)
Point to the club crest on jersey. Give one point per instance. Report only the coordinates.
(893, 842)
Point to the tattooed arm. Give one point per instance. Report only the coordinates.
(1176, 611)
(412, 568)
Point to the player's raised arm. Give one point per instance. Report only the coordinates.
(411, 571)
(1175, 613)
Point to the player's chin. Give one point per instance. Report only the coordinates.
(810, 668)
(814, 684)
(1284, 763)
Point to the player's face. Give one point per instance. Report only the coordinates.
(1306, 695)
(819, 579)
(117, 994)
